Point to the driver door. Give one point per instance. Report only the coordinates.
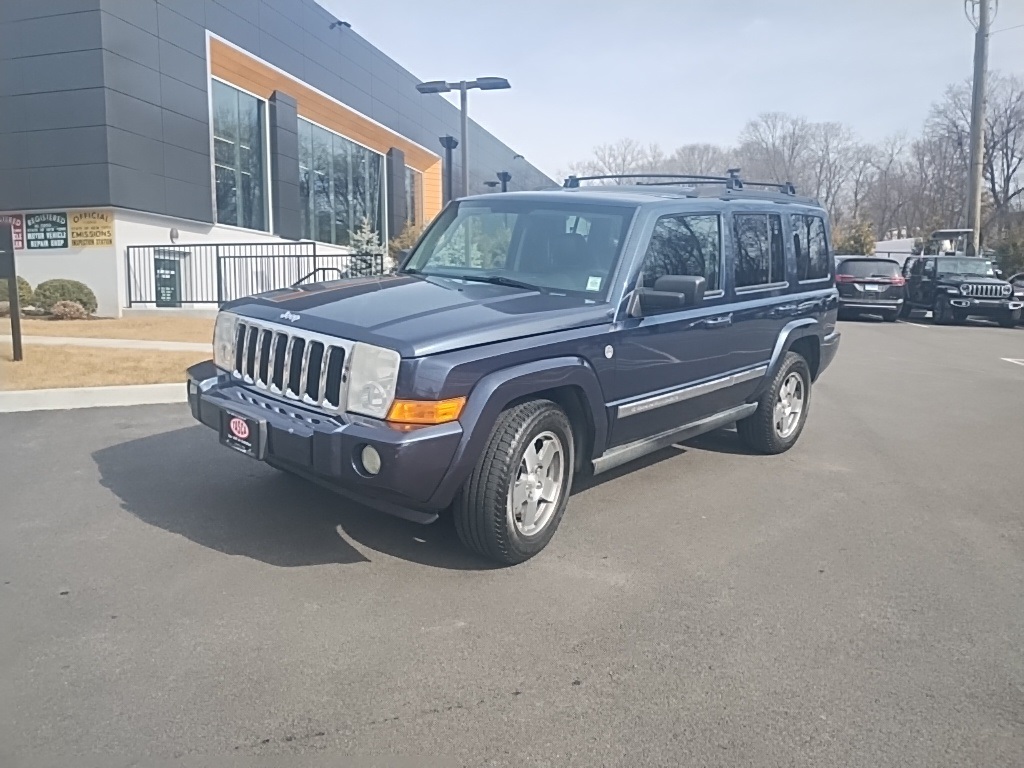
(663, 357)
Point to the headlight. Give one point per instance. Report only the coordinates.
(224, 333)
(965, 289)
(954, 291)
(373, 375)
(1007, 290)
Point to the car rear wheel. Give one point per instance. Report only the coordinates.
(782, 410)
(511, 506)
(890, 317)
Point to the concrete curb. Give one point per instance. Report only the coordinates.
(91, 397)
(85, 341)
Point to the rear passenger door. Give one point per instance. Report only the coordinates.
(760, 283)
(671, 365)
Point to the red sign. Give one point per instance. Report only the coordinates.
(17, 222)
(239, 428)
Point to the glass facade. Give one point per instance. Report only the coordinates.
(340, 184)
(238, 155)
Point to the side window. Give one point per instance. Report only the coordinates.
(685, 245)
(811, 247)
(760, 250)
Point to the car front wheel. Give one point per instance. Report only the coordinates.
(941, 314)
(782, 410)
(514, 500)
(1010, 319)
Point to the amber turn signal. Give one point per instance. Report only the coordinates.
(426, 411)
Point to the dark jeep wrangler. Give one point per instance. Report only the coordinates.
(531, 336)
(956, 287)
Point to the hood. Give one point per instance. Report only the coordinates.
(419, 316)
(972, 279)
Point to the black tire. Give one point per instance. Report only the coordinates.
(959, 318)
(941, 314)
(1010, 319)
(481, 511)
(758, 430)
(890, 317)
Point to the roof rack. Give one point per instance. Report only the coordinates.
(732, 182)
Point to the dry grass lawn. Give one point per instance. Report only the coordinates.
(51, 367)
(197, 329)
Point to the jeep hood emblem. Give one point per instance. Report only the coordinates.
(289, 316)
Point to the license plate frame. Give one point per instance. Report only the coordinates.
(244, 434)
(873, 287)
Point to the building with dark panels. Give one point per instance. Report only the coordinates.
(175, 123)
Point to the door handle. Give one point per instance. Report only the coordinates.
(718, 322)
(786, 309)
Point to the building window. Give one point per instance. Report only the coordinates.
(238, 130)
(340, 185)
(413, 195)
(760, 250)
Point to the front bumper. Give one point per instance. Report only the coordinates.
(325, 448)
(984, 307)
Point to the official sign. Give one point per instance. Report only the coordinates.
(46, 230)
(17, 224)
(92, 228)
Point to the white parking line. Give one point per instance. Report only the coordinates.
(916, 325)
(1013, 360)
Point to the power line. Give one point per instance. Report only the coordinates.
(1005, 29)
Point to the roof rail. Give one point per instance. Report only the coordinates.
(733, 181)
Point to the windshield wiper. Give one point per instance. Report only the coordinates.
(499, 280)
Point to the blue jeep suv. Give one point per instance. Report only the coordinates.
(529, 337)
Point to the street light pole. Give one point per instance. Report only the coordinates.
(463, 87)
(975, 180)
(464, 94)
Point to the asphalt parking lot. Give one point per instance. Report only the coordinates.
(858, 601)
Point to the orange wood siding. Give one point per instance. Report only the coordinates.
(241, 69)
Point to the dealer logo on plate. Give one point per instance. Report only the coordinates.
(239, 428)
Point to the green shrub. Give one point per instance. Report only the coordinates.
(24, 291)
(48, 293)
(68, 310)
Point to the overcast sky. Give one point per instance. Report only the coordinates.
(587, 72)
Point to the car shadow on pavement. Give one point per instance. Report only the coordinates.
(186, 483)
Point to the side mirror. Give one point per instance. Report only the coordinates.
(670, 293)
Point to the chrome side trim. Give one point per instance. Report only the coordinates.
(616, 457)
(688, 393)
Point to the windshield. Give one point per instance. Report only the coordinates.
(965, 266)
(565, 248)
(869, 268)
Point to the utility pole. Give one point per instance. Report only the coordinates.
(981, 17)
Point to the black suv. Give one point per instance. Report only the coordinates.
(956, 287)
(869, 285)
(528, 337)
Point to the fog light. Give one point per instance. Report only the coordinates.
(370, 459)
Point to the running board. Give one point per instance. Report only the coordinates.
(624, 454)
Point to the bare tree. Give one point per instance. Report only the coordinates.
(625, 156)
(701, 159)
(832, 156)
(776, 147)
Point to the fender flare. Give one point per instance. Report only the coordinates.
(797, 329)
(492, 394)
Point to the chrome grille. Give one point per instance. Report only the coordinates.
(291, 363)
(985, 291)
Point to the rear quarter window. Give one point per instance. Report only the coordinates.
(810, 243)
